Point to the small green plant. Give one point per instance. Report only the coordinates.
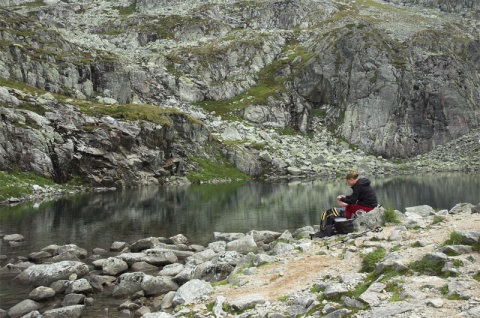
(455, 239)
(283, 299)
(391, 216)
(288, 131)
(361, 288)
(445, 291)
(395, 248)
(396, 289)
(316, 289)
(258, 146)
(426, 267)
(416, 244)
(476, 276)
(371, 259)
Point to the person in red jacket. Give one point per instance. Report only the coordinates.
(363, 196)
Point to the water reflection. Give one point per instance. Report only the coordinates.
(99, 219)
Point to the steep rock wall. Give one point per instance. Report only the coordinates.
(58, 141)
(397, 103)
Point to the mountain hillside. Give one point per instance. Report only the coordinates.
(391, 78)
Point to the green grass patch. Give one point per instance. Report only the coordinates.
(476, 277)
(211, 170)
(396, 289)
(34, 4)
(416, 244)
(283, 299)
(17, 184)
(426, 267)
(444, 291)
(371, 259)
(155, 114)
(126, 10)
(288, 131)
(391, 216)
(361, 288)
(270, 81)
(454, 239)
(395, 248)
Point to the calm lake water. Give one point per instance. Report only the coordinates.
(99, 219)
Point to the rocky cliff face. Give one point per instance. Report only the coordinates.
(394, 78)
(59, 141)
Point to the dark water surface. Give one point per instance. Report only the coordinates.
(99, 219)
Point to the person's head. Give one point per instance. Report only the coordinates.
(351, 177)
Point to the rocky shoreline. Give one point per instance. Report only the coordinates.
(423, 264)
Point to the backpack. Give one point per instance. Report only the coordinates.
(328, 218)
(329, 226)
(327, 223)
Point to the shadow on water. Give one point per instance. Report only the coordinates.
(92, 220)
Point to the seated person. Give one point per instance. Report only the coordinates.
(363, 196)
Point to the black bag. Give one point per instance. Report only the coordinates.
(343, 226)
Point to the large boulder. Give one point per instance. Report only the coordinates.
(23, 308)
(45, 274)
(192, 291)
(370, 220)
(243, 245)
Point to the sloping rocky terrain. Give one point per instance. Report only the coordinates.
(358, 80)
(424, 264)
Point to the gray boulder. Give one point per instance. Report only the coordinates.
(192, 291)
(160, 257)
(230, 257)
(171, 269)
(461, 208)
(201, 257)
(423, 210)
(128, 284)
(22, 308)
(282, 248)
(227, 237)
(74, 311)
(247, 301)
(114, 266)
(158, 285)
(80, 286)
(79, 252)
(370, 220)
(143, 267)
(46, 274)
(469, 238)
(264, 236)
(213, 272)
(13, 238)
(243, 245)
(42, 293)
(73, 299)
